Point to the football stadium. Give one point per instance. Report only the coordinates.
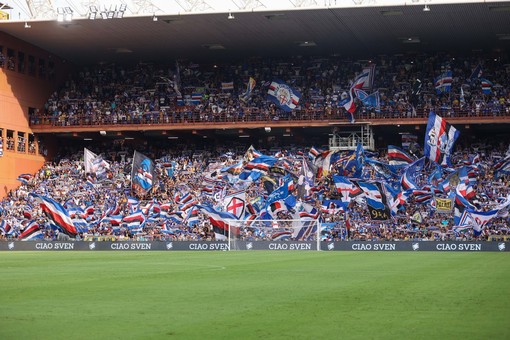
(294, 169)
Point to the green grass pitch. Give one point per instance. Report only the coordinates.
(254, 295)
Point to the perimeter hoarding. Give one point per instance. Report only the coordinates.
(254, 245)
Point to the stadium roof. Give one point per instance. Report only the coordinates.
(356, 31)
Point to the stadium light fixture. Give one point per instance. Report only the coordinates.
(60, 14)
(119, 14)
(154, 17)
(93, 12)
(64, 14)
(27, 25)
(426, 8)
(230, 16)
(113, 12)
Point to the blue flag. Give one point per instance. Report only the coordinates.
(143, 175)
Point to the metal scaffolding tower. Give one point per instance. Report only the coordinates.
(348, 140)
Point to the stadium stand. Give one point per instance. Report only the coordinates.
(95, 161)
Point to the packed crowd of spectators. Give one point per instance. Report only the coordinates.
(198, 173)
(185, 92)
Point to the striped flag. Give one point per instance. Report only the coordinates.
(227, 86)
(221, 221)
(486, 86)
(274, 208)
(439, 139)
(348, 103)
(397, 156)
(25, 178)
(502, 167)
(31, 232)
(5, 228)
(57, 213)
(443, 83)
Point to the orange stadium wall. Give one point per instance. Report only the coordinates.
(27, 78)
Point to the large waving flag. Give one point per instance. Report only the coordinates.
(134, 219)
(411, 174)
(251, 153)
(283, 95)
(249, 90)
(443, 83)
(25, 178)
(397, 156)
(261, 164)
(370, 70)
(369, 100)
(5, 228)
(95, 164)
(143, 175)
(220, 221)
(57, 213)
(439, 139)
(31, 232)
(236, 204)
(502, 167)
(477, 219)
(376, 200)
(348, 103)
(344, 187)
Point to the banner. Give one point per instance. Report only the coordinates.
(143, 176)
(95, 245)
(444, 205)
(283, 95)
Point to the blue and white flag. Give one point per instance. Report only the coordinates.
(95, 164)
(439, 139)
(57, 213)
(283, 95)
(411, 174)
(443, 83)
(486, 86)
(477, 219)
(348, 102)
(502, 167)
(397, 156)
(376, 200)
(369, 100)
(25, 178)
(249, 90)
(477, 72)
(282, 191)
(261, 164)
(143, 175)
(221, 221)
(31, 232)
